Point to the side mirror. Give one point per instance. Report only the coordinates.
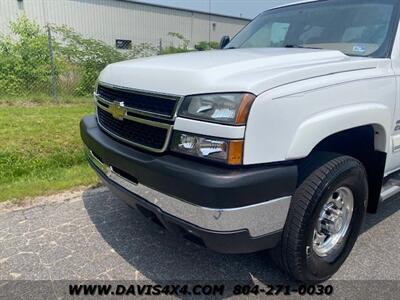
(224, 41)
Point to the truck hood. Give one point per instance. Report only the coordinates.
(236, 70)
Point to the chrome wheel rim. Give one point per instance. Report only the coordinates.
(333, 223)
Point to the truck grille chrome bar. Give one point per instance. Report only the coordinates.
(140, 102)
(124, 124)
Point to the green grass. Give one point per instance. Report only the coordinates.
(40, 149)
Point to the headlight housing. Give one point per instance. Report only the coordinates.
(228, 108)
(217, 149)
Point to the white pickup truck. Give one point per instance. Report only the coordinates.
(281, 140)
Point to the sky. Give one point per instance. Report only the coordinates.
(238, 8)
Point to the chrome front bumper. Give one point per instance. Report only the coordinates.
(260, 219)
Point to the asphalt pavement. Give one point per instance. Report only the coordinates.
(93, 236)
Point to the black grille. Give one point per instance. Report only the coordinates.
(148, 103)
(146, 135)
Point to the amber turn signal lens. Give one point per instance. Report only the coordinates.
(235, 152)
(244, 109)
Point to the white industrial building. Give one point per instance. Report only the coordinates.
(124, 20)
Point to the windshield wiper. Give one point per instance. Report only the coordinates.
(300, 46)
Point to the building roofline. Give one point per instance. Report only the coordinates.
(186, 9)
(293, 3)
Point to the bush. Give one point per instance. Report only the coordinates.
(87, 56)
(25, 59)
(26, 66)
(181, 48)
(25, 62)
(142, 50)
(202, 46)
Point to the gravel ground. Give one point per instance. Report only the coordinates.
(90, 235)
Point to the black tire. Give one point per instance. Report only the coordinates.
(295, 254)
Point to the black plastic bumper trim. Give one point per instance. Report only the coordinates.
(202, 184)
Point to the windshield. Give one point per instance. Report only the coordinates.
(354, 27)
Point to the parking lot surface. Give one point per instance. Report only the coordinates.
(95, 236)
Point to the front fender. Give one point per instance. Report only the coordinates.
(322, 125)
(287, 127)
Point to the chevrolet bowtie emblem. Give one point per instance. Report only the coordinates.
(118, 110)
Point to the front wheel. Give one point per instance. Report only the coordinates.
(324, 220)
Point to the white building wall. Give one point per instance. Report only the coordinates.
(108, 20)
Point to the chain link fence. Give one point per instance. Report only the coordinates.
(54, 49)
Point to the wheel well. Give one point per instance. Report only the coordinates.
(367, 144)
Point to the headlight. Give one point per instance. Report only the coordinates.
(231, 109)
(226, 151)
